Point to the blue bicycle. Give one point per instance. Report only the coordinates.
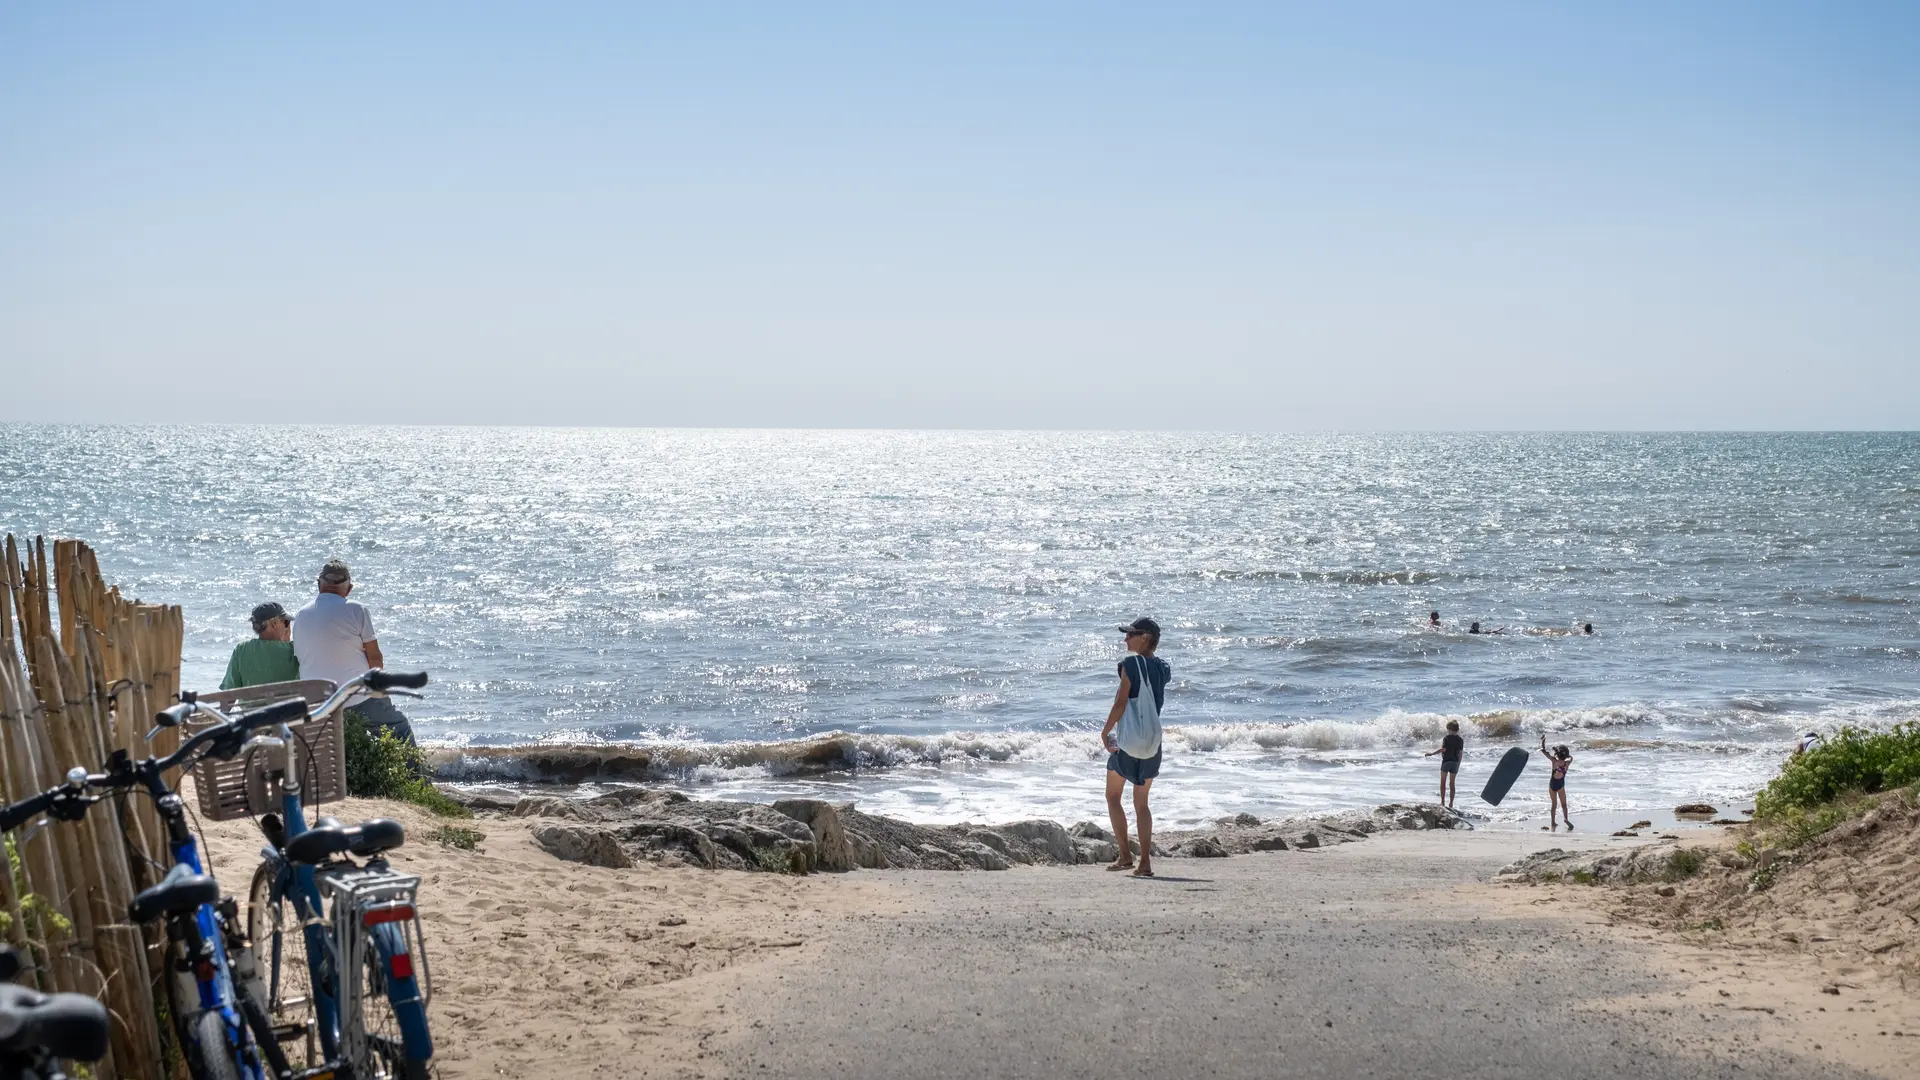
(344, 961)
(225, 1034)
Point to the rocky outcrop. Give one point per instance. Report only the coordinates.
(799, 836)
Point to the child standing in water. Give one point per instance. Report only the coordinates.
(1560, 758)
(1450, 750)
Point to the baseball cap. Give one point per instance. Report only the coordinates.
(266, 613)
(1141, 625)
(335, 573)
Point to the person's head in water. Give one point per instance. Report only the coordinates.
(1143, 635)
(270, 622)
(1587, 627)
(1433, 618)
(1474, 629)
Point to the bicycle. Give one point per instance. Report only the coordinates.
(353, 994)
(218, 1028)
(38, 1031)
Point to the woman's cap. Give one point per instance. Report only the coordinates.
(266, 613)
(1141, 625)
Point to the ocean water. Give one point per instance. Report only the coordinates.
(923, 621)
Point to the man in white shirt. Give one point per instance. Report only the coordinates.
(333, 639)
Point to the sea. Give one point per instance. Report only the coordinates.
(923, 622)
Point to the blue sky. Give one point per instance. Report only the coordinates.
(1263, 216)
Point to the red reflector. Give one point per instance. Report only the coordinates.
(401, 965)
(204, 970)
(377, 916)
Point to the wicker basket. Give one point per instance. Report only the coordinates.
(242, 787)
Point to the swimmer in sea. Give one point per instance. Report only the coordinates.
(1475, 629)
(1433, 619)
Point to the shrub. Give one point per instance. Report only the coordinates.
(1851, 761)
(1684, 863)
(383, 767)
(457, 836)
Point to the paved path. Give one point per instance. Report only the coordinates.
(1360, 961)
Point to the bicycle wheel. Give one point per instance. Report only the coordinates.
(386, 1035)
(209, 1054)
(273, 925)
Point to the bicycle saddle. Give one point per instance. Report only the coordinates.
(180, 890)
(330, 838)
(71, 1026)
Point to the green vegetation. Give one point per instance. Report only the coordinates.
(384, 767)
(39, 914)
(1583, 877)
(457, 836)
(1683, 863)
(1851, 762)
(1709, 924)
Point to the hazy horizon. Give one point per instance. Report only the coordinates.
(1238, 217)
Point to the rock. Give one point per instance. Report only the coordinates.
(1641, 825)
(554, 806)
(1244, 820)
(1665, 890)
(1834, 990)
(934, 858)
(674, 920)
(1204, 847)
(1088, 830)
(581, 844)
(673, 842)
(1276, 842)
(1044, 837)
(1307, 841)
(1725, 821)
(1097, 851)
(1626, 832)
(1695, 809)
(1765, 858)
(831, 850)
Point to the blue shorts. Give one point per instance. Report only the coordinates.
(1450, 766)
(1132, 769)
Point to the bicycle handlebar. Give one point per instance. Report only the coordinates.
(386, 680)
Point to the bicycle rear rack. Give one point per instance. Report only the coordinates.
(361, 899)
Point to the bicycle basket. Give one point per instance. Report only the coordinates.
(242, 787)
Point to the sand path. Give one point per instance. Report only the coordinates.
(1383, 958)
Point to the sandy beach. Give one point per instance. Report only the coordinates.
(1392, 956)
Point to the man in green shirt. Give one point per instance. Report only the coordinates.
(268, 658)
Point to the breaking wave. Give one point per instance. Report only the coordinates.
(1617, 727)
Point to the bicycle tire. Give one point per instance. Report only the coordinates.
(281, 949)
(390, 1034)
(253, 1008)
(209, 1054)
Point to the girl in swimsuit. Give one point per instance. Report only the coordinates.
(1560, 758)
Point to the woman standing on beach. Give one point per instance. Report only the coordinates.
(1133, 752)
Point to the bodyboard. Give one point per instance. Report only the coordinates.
(1504, 775)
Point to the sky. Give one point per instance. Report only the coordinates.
(1266, 216)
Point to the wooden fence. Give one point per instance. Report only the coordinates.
(83, 669)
